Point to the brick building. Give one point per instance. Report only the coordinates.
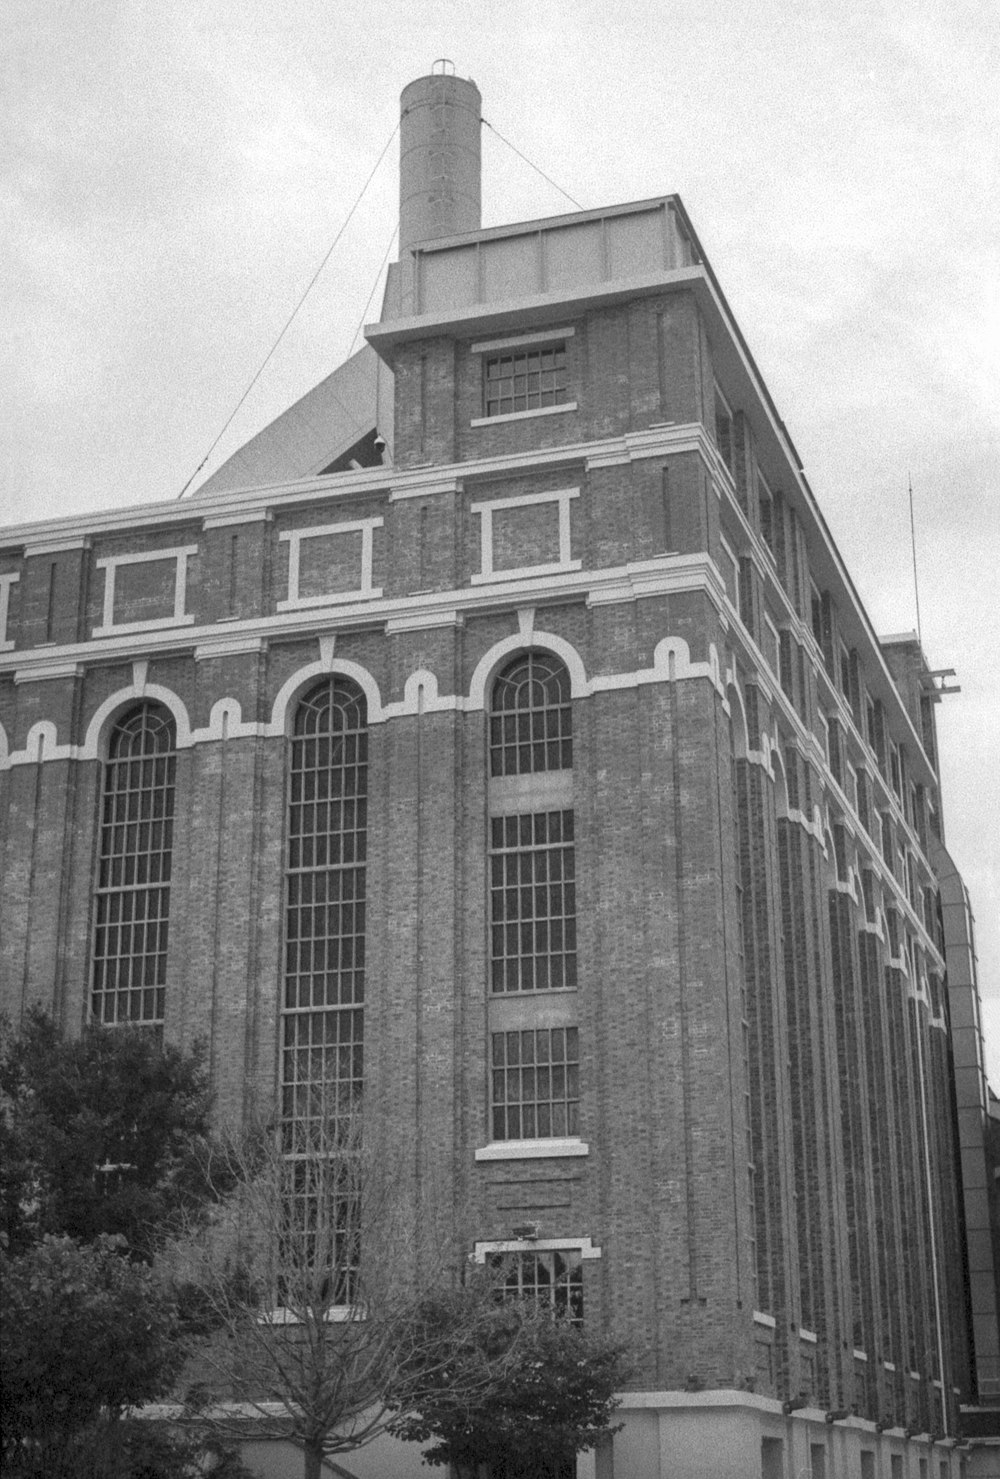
(502, 726)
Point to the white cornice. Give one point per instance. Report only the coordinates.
(44, 672)
(56, 546)
(245, 505)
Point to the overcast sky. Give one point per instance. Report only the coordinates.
(176, 171)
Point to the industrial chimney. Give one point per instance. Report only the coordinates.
(439, 157)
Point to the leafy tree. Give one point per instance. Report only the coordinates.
(86, 1334)
(551, 1395)
(103, 1133)
(103, 1141)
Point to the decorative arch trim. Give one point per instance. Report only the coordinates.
(421, 695)
(139, 692)
(491, 661)
(292, 689)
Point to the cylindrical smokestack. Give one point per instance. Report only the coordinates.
(439, 157)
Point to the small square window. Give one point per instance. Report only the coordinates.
(524, 381)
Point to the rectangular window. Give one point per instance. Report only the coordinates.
(766, 503)
(746, 596)
(845, 672)
(524, 381)
(786, 670)
(868, 894)
(836, 753)
(816, 613)
(724, 428)
(772, 647)
(320, 1232)
(533, 902)
(536, 1083)
(823, 735)
(730, 567)
(7, 583)
(552, 1279)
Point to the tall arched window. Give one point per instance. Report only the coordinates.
(133, 880)
(323, 1012)
(534, 1061)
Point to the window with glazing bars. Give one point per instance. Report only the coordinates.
(536, 1083)
(533, 901)
(525, 381)
(323, 1018)
(551, 1279)
(132, 902)
(319, 1248)
(531, 718)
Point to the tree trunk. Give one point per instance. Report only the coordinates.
(313, 1465)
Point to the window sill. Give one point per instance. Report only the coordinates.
(531, 1150)
(524, 415)
(129, 628)
(337, 1314)
(525, 572)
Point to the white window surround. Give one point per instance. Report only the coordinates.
(583, 1246)
(6, 582)
(562, 497)
(180, 618)
(532, 1150)
(294, 538)
(760, 1318)
(511, 343)
(525, 415)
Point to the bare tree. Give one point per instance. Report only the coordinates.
(312, 1292)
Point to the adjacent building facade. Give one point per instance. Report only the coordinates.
(501, 729)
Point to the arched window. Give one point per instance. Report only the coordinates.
(132, 902)
(531, 722)
(323, 1011)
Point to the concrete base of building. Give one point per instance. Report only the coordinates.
(701, 1435)
(739, 1435)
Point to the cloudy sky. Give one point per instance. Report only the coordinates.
(175, 173)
